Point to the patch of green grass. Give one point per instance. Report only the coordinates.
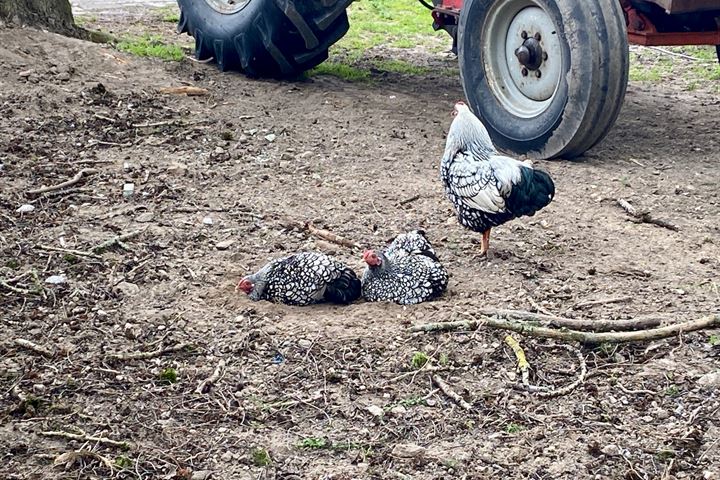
(644, 74)
(12, 263)
(170, 14)
(70, 258)
(314, 443)
(341, 70)
(514, 428)
(169, 375)
(672, 391)
(419, 359)
(714, 340)
(82, 20)
(260, 457)
(444, 359)
(151, 46)
(123, 462)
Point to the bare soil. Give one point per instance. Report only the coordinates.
(298, 381)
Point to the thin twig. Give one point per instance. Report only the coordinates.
(45, 352)
(207, 60)
(19, 291)
(409, 200)
(86, 438)
(450, 392)
(77, 253)
(710, 321)
(645, 217)
(544, 392)
(208, 382)
(69, 183)
(115, 240)
(147, 355)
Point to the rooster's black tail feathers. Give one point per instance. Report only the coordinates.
(534, 192)
(344, 289)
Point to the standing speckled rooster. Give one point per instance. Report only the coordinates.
(407, 272)
(302, 279)
(487, 188)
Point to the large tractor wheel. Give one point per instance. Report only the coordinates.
(547, 77)
(267, 38)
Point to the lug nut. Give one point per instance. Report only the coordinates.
(524, 35)
(537, 36)
(538, 73)
(524, 72)
(545, 56)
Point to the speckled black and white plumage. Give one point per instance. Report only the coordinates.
(303, 279)
(486, 188)
(409, 272)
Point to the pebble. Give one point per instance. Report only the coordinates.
(408, 450)
(398, 410)
(38, 388)
(304, 343)
(225, 244)
(128, 189)
(144, 217)
(128, 289)
(207, 221)
(375, 411)
(26, 208)
(710, 380)
(611, 450)
(286, 157)
(270, 137)
(56, 279)
(177, 169)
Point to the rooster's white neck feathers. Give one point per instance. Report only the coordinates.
(468, 133)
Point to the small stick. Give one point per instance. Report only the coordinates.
(77, 253)
(544, 392)
(147, 355)
(537, 307)
(207, 60)
(115, 240)
(331, 237)
(70, 458)
(710, 321)
(522, 363)
(86, 438)
(409, 200)
(645, 217)
(21, 342)
(184, 90)
(69, 183)
(208, 382)
(602, 301)
(450, 393)
(20, 291)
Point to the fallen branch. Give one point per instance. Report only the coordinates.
(86, 438)
(710, 321)
(184, 90)
(208, 382)
(45, 352)
(147, 355)
(522, 364)
(69, 183)
(644, 217)
(450, 393)
(115, 241)
(602, 301)
(570, 323)
(77, 253)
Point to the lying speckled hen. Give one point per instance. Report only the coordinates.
(487, 188)
(406, 272)
(303, 279)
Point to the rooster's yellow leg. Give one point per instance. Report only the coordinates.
(485, 245)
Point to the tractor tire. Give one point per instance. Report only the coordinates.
(264, 38)
(560, 94)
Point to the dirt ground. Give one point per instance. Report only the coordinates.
(329, 392)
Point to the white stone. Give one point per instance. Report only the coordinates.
(375, 411)
(26, 208)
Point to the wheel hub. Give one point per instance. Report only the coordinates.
(227, 6)
(530, 54)
(522, 53)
